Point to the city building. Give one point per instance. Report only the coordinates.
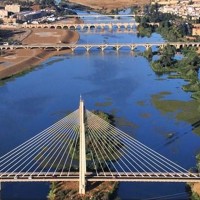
(183, 10)
(196, 29)
(167, 2)
(3, 13)
(13, 8)
(30, 15)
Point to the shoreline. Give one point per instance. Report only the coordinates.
(25, 65)
(32, 58)
(108, 6)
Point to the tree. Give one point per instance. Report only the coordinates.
(48, 3)
(167, 58)
(148, 53)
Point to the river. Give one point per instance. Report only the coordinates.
(147, 106)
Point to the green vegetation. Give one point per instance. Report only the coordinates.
(46, 2)
(166, 62)
(6, 36)
(103, 140)
(187, 111)
(167, 56)
(186, 68)
(148, 54)
(174, 31)
(194, 187)
(171, 27)
(144, 29)
(52, 192)
(103, 104)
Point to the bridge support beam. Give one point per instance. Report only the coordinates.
(82, 154)
(0, 190)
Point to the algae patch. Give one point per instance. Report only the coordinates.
(182, 110)
(145, 115)
(124, 122)
(141, 103)
(103, 104)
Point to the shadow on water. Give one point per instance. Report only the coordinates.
(196, 124)
(176, 136)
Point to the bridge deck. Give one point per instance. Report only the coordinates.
(115, 176)
(102, 46)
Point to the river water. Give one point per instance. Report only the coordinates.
(147, 106)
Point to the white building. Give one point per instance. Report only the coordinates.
(13, 8)
(3, 13)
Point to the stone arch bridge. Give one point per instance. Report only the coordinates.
(127, 25)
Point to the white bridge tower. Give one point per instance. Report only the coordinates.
(82, 153)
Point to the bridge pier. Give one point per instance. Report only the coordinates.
(133, 47)
(102, 49)
(82, 154)
(147, 46)
(0, 191)
(72, 48)
(87, 49)
(58, 49)
(117, 48)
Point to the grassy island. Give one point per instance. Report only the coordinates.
(94, 190)
(187, 68)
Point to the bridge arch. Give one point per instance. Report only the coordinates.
(114, 26)
(125, 47)
(65, 27)
(79, 27)
(129, 26)
(40, 26)
(98, 26)
(107, 26)
(79, 48)
(140, 47)
(123, 26)
(72, 27)
(92, 27)
(86, 26)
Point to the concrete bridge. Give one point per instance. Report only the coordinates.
(115, 31)
(101, 16)
(102, 46)
(107, 176)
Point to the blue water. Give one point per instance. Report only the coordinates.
(34, 101)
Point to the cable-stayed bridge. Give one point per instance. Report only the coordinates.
(84, 147)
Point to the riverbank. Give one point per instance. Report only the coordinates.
(16, 61)
(95, 190)
(195, 189)
(109, 5)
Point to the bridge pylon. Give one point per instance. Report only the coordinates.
(82, 152)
